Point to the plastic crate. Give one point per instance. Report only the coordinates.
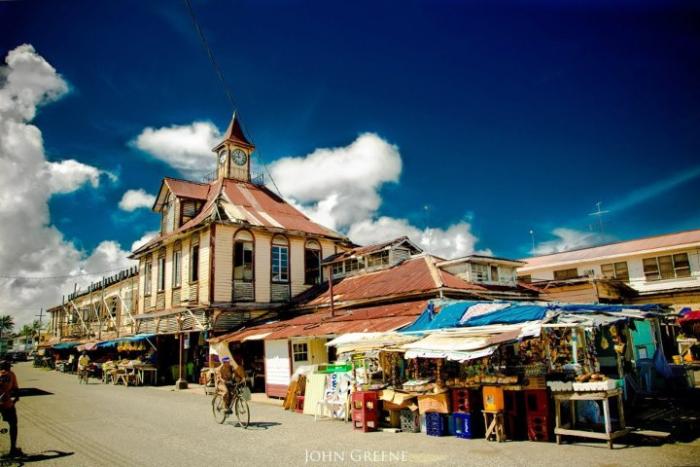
(299, 407)
(462, 425)
(466, 400)
(435, 424)
(365, 400)
(538, 428)
(410, 421)
(537, 402)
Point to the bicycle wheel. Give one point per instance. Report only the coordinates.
(218, 408)
(242, 412)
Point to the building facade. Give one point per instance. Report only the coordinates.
(663, 269)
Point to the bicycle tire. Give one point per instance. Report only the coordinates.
(218, 409)
(242, 412)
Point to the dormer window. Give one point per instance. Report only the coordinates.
(312, 263)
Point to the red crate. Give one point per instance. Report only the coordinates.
(299, 407)
(365, 400)
(538, 428)
(466, 401)
(537, 402)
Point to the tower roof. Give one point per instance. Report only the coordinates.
(234, 133)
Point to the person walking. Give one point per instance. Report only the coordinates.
(9, 395)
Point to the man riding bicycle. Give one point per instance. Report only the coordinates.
(83, 364)
(226, 376)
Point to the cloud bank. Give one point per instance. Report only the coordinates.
(33, 252)
(569, 239)
(341, 189)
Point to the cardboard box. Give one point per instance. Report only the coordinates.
(438, 403)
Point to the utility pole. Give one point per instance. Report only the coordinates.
(38, 335)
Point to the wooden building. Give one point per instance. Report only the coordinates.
(229, 250)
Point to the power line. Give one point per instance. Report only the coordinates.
(225, 85)
(214, 63)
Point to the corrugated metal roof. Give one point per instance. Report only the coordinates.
(414, 275)
(249, 203)
(187, 189)
(368, 319)
(689, 237)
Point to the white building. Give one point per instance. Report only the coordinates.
(662, 269)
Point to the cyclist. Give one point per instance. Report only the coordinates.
(226, 376)
(83, 364)
(9, 395)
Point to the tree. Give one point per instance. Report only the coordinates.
(7, 323)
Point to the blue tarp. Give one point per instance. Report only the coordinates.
(511, 315)
(114, 342)
(448, 317)
(65, 345)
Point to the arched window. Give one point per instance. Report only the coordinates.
(243, 257)
(312, 263)
(280, 259)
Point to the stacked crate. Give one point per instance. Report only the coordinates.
(365, 410)
(410, 421)
(538, 418)
(466, 405)
(514, 415)
(435, 424)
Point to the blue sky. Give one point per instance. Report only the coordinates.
(509, 117)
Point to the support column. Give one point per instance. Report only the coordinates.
(181, 383)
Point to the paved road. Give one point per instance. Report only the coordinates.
(78, 425)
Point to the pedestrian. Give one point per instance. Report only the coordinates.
(9, 395)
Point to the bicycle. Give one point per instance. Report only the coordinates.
(238, 404)
(83, 375)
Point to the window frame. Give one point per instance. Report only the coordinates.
(161, 272)
(656, 263)
(194, 263)
(307, 269)
(614, 269)
(568, 276)
(148, 278)
(177, 267)
(298, 352)
(281, 246)
(239, 239)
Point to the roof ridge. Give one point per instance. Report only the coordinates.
(186, 181)
(435, 272)
(591, 247)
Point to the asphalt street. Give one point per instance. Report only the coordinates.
(67, 424)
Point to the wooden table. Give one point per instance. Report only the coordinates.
(495, 426)
(141, 372)
(569, 429)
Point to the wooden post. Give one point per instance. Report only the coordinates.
(330, 289)
(181, 382)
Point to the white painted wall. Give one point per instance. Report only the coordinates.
(635, 266)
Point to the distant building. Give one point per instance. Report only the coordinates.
(661, 269)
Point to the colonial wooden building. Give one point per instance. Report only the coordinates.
(229, 250)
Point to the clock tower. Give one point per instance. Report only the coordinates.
(233, 153)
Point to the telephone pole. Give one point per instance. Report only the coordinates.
(38, 334)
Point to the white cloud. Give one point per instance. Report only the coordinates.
(455, 241)
(33, 251)
(569, 239)
(187, 148)
(340, 188)
(148, 236)
(135, 199)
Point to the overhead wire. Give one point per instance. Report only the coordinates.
(224, 84)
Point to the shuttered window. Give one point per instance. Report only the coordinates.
(666, 267)
(564, 274)
(617, 271)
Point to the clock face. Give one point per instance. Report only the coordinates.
(239, 157)
(222, 156)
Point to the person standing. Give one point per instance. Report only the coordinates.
(9, 395)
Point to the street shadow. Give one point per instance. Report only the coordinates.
(29, 392)
(29, 458)
(253, 426)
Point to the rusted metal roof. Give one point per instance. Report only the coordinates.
(187, 189)
(367, 319)
(679, 239)
(246, 203)
(415, 275)
(368, 249)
